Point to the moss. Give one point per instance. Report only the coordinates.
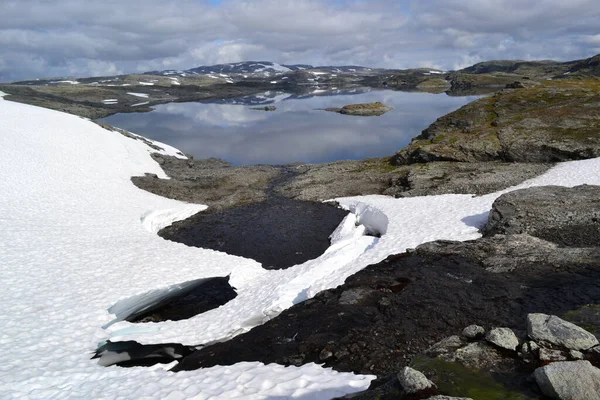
(587, 317)
(454, 379)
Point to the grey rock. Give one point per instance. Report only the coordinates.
(507, 253)
(481, 355)
(353, 296)
(503, 337)
(576, 355)
(552, 355)
(413, 381)
(566, 216)
(570, 380)
(558, 332)
(325, 354)
(447, 345)
(473, 332)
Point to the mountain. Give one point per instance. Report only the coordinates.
(256, 67)
(589, 66)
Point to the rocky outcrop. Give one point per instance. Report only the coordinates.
(569, 217)
(548, 122)
(363, 109)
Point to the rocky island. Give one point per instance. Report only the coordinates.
(364, 110)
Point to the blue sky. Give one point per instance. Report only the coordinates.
(40, 38)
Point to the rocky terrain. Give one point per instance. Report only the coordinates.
(391, 314)
(364, 110)
(539, 254)
(97, 97)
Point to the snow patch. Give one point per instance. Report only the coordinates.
(143, 95)
(146, 83)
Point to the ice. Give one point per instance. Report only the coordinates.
(144, 95)
(80, 250)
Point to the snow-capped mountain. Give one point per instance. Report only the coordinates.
(253, 67)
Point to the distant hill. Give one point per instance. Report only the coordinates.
(255, 67)
(544, 68)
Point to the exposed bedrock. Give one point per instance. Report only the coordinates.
(566, 216)
(548, 122)
(388, 313)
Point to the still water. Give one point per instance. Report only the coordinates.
(296, 132)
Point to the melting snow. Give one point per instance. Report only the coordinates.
(82, 238)
(144, 95)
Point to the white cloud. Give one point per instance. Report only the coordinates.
(42, 38)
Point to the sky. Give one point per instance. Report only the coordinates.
(74, 38)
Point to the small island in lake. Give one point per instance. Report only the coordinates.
(365, 109)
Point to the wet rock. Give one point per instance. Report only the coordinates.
(278, 232)
(473, 332)
(503, 337)
(413, 381)
(553, 330)
(478, 355)
(572, 380)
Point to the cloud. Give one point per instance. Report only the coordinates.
(76, 37)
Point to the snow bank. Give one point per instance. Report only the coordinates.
(77, 240)
(81, 242)
(143, 95)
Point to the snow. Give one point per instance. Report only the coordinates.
(70, 82)
(140, 104)
(146, 83)
(144, 95)
(436, 72)
(110, 101)
(82, 241)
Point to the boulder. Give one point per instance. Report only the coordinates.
(503, 337)
(570, 380)
(569, 217)
(413, 381)
(553, 330)
(473, 332)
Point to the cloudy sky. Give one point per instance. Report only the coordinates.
(51, 38)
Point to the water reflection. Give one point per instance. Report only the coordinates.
(295, 132)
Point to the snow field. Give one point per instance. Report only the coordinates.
(79, 238)
(82, 240)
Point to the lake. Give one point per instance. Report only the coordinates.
(296, 132)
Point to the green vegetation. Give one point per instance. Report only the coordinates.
(453, 379)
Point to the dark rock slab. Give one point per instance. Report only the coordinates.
(439, 294)
(278, 232)
(207, 295)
